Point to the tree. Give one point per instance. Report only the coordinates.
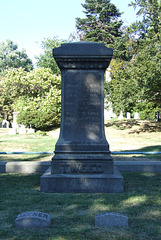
(41, 113)
(46, 59)
(35, 94)
(11, 57)
(146, 68)
(151, 12)
(122, 90)
(12, 86)
(136, 84)
(147, 64)
(101, 23)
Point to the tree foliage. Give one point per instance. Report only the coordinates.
(150, 10)
(11, 57)
(35, 94)
(136, 84)
(122, 91)
(46, 59)
(40, 112)
(101, 23)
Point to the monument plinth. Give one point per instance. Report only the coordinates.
(82, 161)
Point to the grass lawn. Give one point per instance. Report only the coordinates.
(73, 214)
(26, 143)
(122, 135)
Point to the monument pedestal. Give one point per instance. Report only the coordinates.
(82, 183)
(82, 161)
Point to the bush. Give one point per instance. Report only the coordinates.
(41, 113)
(146, 110)
(36, 95)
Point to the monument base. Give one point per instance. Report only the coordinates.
(82, 183)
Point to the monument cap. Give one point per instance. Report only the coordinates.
(83, 49)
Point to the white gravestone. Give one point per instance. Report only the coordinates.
(30, 131)
(5, 124)
(121, 116)
(128, 115)
(22, 129)
(14, 123)
(136, 115)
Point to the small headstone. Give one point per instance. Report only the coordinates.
(12, 131)
(33, 220)
(136, 115)
(111, 219)
(128, 115)
(121, 116)
(106, 115)
(30, 131)
(5, 124)
(22, 129)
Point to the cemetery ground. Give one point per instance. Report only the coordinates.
(122, 135)
(73, 214)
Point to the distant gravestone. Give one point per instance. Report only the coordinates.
(33, 220)
(12, 131)
(136, 115)
(111, 219)
(5, 124)
(30, 131)
(14, 123)
(121, 116)
(22, 129)
(128, 115)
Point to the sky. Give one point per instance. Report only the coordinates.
(28, 22)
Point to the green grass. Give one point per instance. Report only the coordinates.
(25, 143)
(124, 135)
(156, 148)
(73, 214)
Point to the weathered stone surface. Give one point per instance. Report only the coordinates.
(82, 183)
(3, 167)
(26, 167)
(82, 146)
(111, 219)
(85, 166)
(82, 113)
(33, 220)
(82, 161)
(41, 167)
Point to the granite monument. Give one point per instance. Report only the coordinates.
(82, 161)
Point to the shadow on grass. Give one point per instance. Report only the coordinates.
(73, 214)
(155, 148)
(143, 126)
(47, 157)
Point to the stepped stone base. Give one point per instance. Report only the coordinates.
(82, 183)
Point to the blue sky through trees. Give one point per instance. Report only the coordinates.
(27, 23)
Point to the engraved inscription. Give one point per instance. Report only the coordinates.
(82, 112)
(81, 168)
(33, 214)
